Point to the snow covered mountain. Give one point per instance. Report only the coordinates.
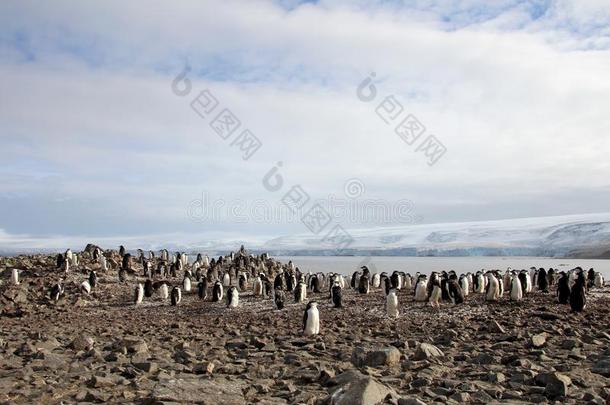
(573, 235)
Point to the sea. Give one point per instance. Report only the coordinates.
(346, 265)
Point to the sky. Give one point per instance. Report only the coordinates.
(99, 136)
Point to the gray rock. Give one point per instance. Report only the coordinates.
(602, 367)
(187, 389)
(410, 401)
(555, 384)
(354, 388)
(427, 351)
(387, 356)
(82, 343)
(538, 340)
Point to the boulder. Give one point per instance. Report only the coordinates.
(354, 388)
(427, 351)
(555, 384)
(82, 343)
(387, 356)
(538, 340)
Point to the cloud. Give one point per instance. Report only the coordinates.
(97, 144)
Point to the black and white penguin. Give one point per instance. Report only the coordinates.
(391, 304)
(314, 284)
(376, 280)
(126, 263)
(57, 290)
(202, 288)
(543, 282)
(387, 286)
(232, 297)
(217, 292)
(226, 279)
(187, 283)
(336, 295)
(421, 288)
(355, 279)
(176, 296)
(563, 288)
(590, 278)
(121, 250)
(436, 294)
(599, 280)
(60, 261)
(516, 291)
(15, 277)
(243, 282)
(465, 284)
(578, 299)
(139, 294)
(258, 286)
(492, 292)
(85, 287)
(395, 279)
(148, 288)
(364, 284)
(550, 275)
(311, 320)
(163, 291)
(300, 292)
(279, 298)
(93, 279)
(278, 283)
(456, 294)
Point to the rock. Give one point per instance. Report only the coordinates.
(135, 346)
(204, 368)
(410, 401)
(538, 340)
(461, 397)
(427, 351)
(570, 344)
(387, 356)
(354, 388)
(496, 378)
(602, 367)
(147, 367)
(555, 384)
(186, 389)
(82, 343)
(101, 382)
(326, 375)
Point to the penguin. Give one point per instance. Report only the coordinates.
(590, 278)
(226, 279)
(465, 285)
(176, 296)
(445, 288)
(68, 255)
(387, 286)
(15, 277)
(66, 266)
(524, 278)
(436, 293)
(480, 283)
(139, 294)
(300, 292)
(186, 283)
(392, 304)
(376, 280)
(232, 297)
(578, 299)
(93, 279)
(355, 278)
(507, 280)
(311, 320)
(126, 263)
(202, 288)
(163, 291)
(543, 283)
(408, 283)
(75, 260)
(258, 286)
(57, 290)
(516, 292)
(363, 284)
(550, 275)
(85, 287)
(335, 293)
(278, 283)
(60, 261)
(217, 292)
(243, 282)
(456, 294)
(103, 263)
(421, 289)
(492, 292)
(314, 284)
(121, 250)
(278, 298)
(563, 289)
(599, 280)
(395, 279)
(148, 288)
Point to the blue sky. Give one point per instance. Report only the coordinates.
(96, 144)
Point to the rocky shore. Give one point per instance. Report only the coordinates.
(102, 348)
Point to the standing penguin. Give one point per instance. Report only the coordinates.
(543, 282)
(465, 285)
(258, 286)
(57, 290)
(148, 288)
(226, 279)
(599, 280)
(243, 282)
(85, 287)
(387, 286)
(563, 289)
(363, 284)
(421, 288)
(186, 284)
(139, 294)
(93, 279)
(278, 298)
(335, 293)
(391, 304)
(176, 296)
(456, 294)
(163, 291)
(435, 293)
(122, 275)
(217, 292)
(15, 277)
(202, 288)
(311, 319)
(376, 280)
(516, 292)
(493, 288)
(578, 299)
(300, 292)
(232, 297)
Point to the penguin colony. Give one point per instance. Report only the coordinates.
(222, 279)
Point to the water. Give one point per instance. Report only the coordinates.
(348, 264)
